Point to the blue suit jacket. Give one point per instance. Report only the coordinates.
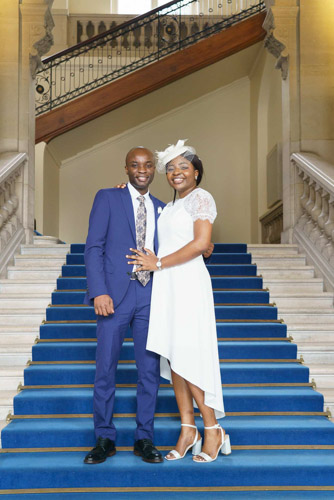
(111, 233)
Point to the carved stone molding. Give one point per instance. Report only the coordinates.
(274, 46)
(280, 25)
(40, 30)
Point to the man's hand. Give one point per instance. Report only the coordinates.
(209, 251)
(103, 305)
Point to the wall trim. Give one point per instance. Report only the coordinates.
(50, 149)
(256, 62)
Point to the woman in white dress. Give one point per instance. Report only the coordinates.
(182, 325)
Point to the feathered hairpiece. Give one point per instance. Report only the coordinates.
(173, 150)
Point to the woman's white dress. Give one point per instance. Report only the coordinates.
(182, 325)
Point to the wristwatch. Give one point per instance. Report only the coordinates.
(159, 264)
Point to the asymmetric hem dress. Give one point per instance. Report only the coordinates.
(182, 326)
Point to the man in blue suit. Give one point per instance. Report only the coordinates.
(122, 219)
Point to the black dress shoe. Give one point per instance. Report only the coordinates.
(145, 448)
(104, 448)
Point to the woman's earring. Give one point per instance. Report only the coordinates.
(195, 177)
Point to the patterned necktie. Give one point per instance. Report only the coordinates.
(143, 276)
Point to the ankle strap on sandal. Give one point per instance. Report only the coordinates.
(188, 425)
(216, 426)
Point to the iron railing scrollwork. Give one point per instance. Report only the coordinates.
(132, 45)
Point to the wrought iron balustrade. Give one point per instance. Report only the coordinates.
(134, 44)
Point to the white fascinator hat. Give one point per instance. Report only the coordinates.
(173, 150)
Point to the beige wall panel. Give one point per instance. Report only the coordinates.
(255, 85)
(9, 59)
(274, 107)
(266, 131)
(51, 195)
(317, 70)
(217, 124)
(89, 6)
(39, 185)
(60, 5)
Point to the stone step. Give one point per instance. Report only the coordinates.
(317, 353)
(305, 337)
(19, 300)
(6, 403)
(302, 300)
(43, 249)
(306, 316)
(19, 329)
(22, 286)
(282, 285)
(328, 394)
(263, 248)
(46, 240)
(328, 400)
(288, 273)
(322, 374)
(33, 273)
(279, 260)
(48, 261)
(11, 377)
(12, 355)
(322, 326)
(25, 317)
(18, 334)
(18, 338)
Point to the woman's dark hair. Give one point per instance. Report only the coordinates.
(196, 163)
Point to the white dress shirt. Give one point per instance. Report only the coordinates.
(150, 221)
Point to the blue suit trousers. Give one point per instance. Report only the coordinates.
(134, 310)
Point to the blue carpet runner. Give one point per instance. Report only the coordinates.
(283, 442)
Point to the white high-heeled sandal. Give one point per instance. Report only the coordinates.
(225, 447)
(196, 446)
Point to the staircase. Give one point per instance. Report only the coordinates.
(305, 306)
(281, 437)
(24, 295)
(139, 56)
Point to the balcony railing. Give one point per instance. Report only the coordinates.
(314, 211)
(135, 43)
(13, 205)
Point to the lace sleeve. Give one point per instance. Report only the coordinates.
(201, 205)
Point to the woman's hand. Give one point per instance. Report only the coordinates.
(120, 186)
(144, 261)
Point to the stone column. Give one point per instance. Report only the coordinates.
(35, 39)
(282, 41)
